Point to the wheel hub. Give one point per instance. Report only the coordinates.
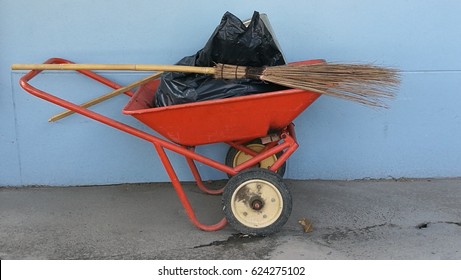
(257, 203)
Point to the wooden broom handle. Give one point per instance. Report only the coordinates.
(106, 96)
(128, 67)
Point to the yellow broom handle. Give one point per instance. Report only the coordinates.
(104, 97)
(128, 67)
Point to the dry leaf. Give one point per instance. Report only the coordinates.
(307, 225)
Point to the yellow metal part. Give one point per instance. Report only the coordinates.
(242, 157)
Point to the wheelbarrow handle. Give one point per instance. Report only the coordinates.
(24, 82)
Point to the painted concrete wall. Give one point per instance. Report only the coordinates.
(418, 136)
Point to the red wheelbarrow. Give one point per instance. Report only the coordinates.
(258, 128)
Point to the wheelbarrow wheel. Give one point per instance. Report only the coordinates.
(257, 202)
(235, 157)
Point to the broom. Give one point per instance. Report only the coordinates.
(364, 83)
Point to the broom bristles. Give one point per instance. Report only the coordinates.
(364, 83)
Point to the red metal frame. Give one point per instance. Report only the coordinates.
(288, 143)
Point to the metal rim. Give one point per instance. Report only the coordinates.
(257, 203)
(241, 157)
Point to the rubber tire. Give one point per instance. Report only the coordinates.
(264, 175)
(233, 152)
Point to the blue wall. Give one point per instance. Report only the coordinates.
(418, 136)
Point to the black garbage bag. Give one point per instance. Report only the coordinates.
(231, 43)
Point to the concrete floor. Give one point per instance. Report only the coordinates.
(366, 219)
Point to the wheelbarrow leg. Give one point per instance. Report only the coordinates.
(198, 178)
(182, 195)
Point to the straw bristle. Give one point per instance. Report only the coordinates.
(364, 83)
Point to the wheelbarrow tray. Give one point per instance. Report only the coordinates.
(220, 120)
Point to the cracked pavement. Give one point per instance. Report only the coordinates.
(363, 219)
